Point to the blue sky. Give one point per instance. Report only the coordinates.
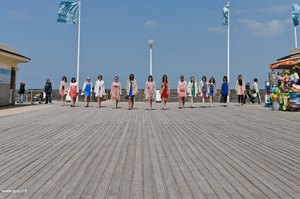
(189, 39)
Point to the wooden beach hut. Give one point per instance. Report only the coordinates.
(9, 60)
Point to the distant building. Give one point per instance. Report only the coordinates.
(9, 59)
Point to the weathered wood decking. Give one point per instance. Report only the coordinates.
(220, 152)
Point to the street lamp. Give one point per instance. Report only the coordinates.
(150, 43)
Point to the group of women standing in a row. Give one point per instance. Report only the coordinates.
(99, 90)
(205, 89)
(115, 91)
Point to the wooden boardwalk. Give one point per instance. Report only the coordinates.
(220, 152)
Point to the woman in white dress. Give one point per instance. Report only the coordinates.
(192, 90)
(99, 90)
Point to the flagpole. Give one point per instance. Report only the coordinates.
(78, 48)
(296, 40)
(228, 52)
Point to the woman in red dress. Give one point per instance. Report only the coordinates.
(164, 90)
(73, 91)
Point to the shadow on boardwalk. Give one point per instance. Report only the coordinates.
(222, 152)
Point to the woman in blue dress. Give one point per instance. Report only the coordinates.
(212, 90)
(87, 91)
(131, 90)
(224, 90)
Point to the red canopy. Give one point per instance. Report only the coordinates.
(285, 63)
(288, 61)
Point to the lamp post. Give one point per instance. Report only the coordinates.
(150, 43)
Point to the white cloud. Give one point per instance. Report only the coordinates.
(269, 10)
(151, 24)
(217, 29)
(267, 29)
(284, 8)
(19, 15)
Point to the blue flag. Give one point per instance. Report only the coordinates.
(295, 14)
(68, 12)
(225, 13)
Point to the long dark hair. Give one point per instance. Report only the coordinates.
(203, 78)
(225, 79)
(240, 79)
(212, 80)
(182, 78)
(73, 80)
(150, 78)
(131, 77)
(192, 78)
(64, 78)
(165, 78)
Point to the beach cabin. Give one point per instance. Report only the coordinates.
(9, 60)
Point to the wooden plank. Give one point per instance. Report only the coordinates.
(160, 184)
(171, 185)
(35, 160)
(148, 173)
(101, 164)
(175, 148)
(127, 175)
(220, 152)
(71, 178)
(117, 178)
(137, 180)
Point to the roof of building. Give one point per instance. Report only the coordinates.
(287, 61)
(6, 50)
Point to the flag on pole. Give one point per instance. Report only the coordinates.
(68, 12)
(295, 14)
(225, 13)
